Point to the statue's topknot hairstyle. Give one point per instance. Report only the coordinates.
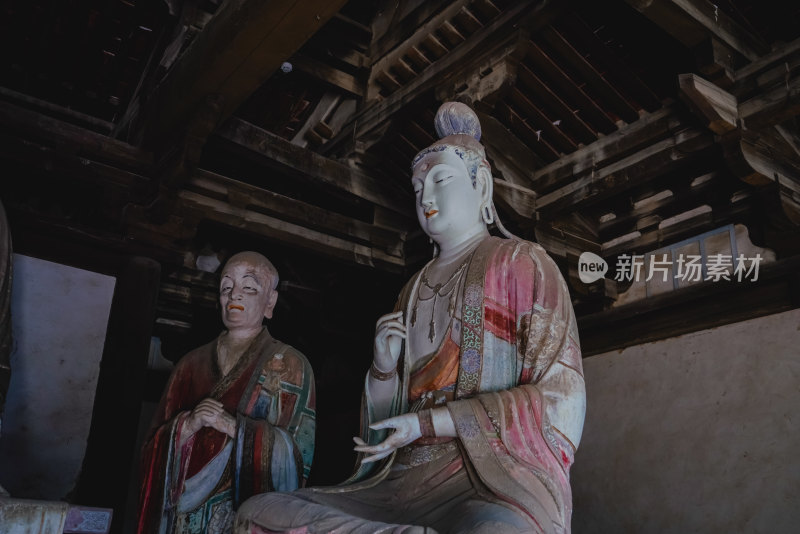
(459, 131)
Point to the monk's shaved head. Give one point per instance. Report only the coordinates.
(260, 262)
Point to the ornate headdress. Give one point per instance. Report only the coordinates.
(459, 132)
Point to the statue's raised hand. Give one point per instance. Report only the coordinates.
(389, 335)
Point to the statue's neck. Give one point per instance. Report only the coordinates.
(238, 336)
(454, 249)
(232, 344)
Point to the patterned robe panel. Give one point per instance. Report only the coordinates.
(271, 393)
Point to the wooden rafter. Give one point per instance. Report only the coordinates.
(647, 130)
(475, 49)
(655, 159)
(243, 44)
(297, 160)
(693, 21)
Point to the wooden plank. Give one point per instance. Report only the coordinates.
(587, 71)
(656, 159)
(328, 74)
(500, 141)
(302, 161)
(487, 81)
(684, 197)
(475, 49)
(690, 21)
(519, 200)
(552, 72)
(525, 132)
(400, 32)
(772, 107)
(576, 30)
(508, 155)
(451, 34)
(571, 120)
(74, 117)
(68, 137)
(551, 133)
(716, 106)
(250, 197)
(386, 60)
(767, 61)
(703, 221)
(418, 59)
(287, 233)
(240, 47)
(635, 136)
(67, 166)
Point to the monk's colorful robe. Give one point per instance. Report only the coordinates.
(194, 485)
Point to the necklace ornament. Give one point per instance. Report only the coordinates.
(440, 290)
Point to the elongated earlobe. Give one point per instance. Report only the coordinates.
(487, 214)
(485, 182)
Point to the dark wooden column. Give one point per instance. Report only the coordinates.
(110, 448)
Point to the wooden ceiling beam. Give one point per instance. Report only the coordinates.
(319, 169)
(399, 32)
(250, 197)
(517, 200)
(510, 155)
(290, 234)
(692, 21)
(575, 30)
(329, 75)
(772, 107)
(654, 160)
(571, 121)
(684, 197)
(552, 72)
(69, 137)
(476, 49)
(618, 103)
(385, 61)
(237, 51)
(647, 130)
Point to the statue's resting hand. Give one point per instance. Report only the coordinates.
(406, 429)
(210, 412)
(389, 335)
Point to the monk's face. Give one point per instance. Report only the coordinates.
(246, 295)
(447, 204)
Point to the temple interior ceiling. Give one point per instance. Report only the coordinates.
(175, 128)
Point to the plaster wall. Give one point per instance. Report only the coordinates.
(59, 319)
(698, 433)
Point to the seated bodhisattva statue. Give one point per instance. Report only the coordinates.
(237, 417)
(474, 404)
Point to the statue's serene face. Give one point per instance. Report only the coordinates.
(246, 295)
(447, 204)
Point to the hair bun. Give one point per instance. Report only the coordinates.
(455, 118)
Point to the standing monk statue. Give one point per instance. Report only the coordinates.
(237, 417)
(474, 404)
